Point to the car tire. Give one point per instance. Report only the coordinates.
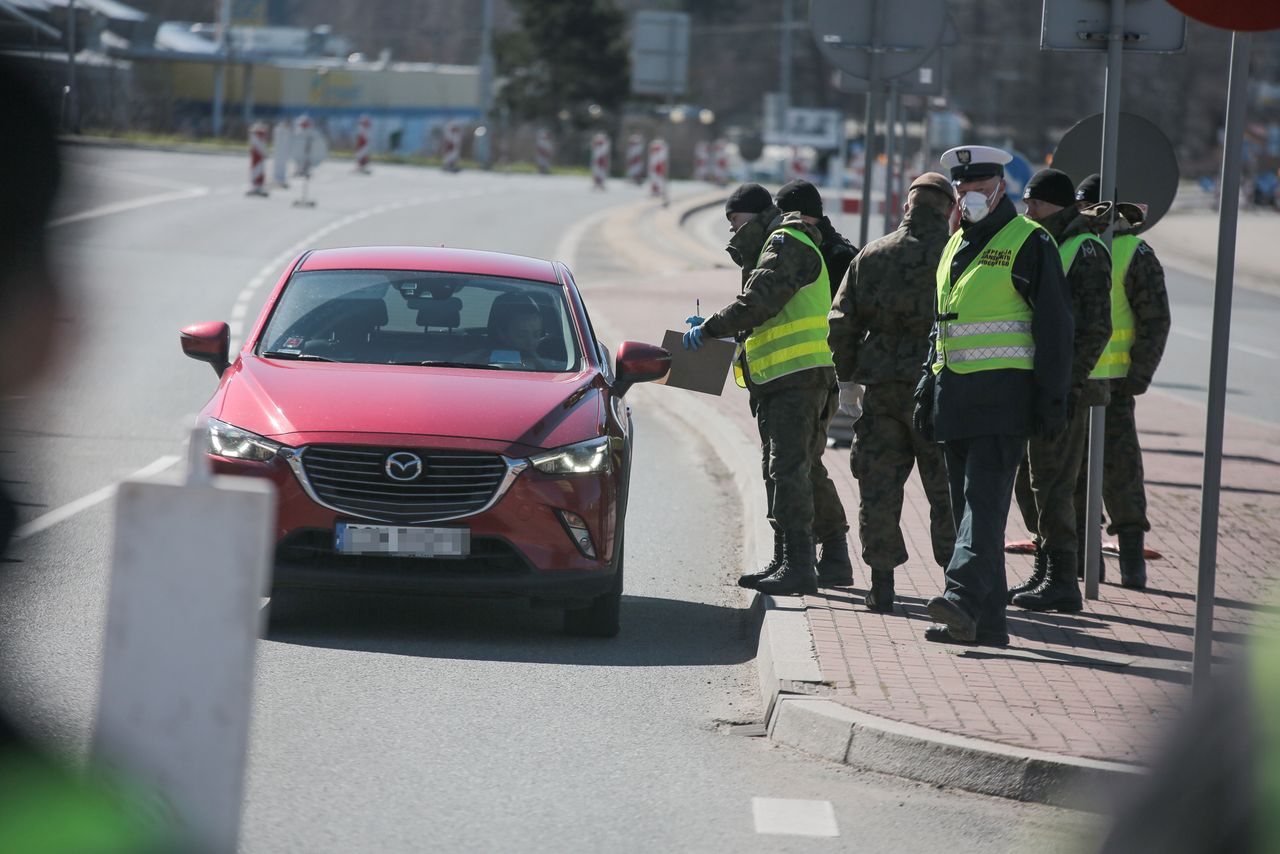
(600, 619)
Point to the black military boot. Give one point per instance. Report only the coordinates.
(1061, 589)
(880, 597)
(750, 579)
(797, 575)
(1133, 562)
(1039, 570)
(834, 568)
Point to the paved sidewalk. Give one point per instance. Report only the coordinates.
(1097, 685)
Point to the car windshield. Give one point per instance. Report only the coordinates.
(422, 318)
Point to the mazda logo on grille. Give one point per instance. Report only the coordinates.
(403, 466)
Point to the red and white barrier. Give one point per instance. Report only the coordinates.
(701, 162)
(720, 162)
(658, 163)
(281, 145)
(797, 166)
(545, 151)
(599, 160)
(364, 143)
(635, 158)
(451, 147)
(257, 159)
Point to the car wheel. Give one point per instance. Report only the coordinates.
(600, 619)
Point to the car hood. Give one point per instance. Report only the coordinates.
(287, 400)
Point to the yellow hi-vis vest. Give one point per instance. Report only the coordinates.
(1264, 690)
(795, 339)
(1114, 361)
(984, 324)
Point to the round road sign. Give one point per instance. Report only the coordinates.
(1247, 16)
(1146, 168)
(909, 31)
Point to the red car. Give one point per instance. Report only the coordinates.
(437, 420)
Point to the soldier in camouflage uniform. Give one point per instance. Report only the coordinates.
(879, 334)
(830, 525)
(1046, 482)
(1123, 490)
(779, 258)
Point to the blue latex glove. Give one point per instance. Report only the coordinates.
(693, 338)
(694, 320)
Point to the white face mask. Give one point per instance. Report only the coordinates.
(975, 205)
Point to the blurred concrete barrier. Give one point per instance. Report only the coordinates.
(191, 559)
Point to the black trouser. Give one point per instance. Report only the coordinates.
(980, 471)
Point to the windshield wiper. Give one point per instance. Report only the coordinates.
(435, 363)
(304, 357)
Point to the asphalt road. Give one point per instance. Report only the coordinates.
(1254, 354)
(399, 724)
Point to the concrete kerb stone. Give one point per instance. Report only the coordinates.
(791, 686)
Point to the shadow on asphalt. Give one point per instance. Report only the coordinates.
(655, 632)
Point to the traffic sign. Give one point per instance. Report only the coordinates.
(1150, 26)
(848, 37)
(805, 126)
(928, 79)
(1245, 16)
(1017, 172)
(659, 53)
(1146, 166)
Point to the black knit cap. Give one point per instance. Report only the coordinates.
(800, 196)
(1052, 186)
(749, 198)
(1090, 189)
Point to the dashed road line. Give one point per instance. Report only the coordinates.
(794, 817)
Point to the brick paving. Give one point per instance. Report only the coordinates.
(1100, 684)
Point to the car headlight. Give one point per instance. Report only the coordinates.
(580, 458)
(233, 443)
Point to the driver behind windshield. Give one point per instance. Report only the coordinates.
(515, 329)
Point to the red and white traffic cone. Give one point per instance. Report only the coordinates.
(635, 159)
(451, 151)
(545, 151)
(797, 166)
(658, 169)
(701, 162)
(363, 144)
(720, 162)
(257, 159)
(599, 160)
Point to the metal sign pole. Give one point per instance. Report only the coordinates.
(903, 149)
(1228, 212)
(1097, 414)
(869, 133)
(890, 151)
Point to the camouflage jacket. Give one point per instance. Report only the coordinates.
(770, 278)
(1089, 281)
(1149, 301)
(883, 312)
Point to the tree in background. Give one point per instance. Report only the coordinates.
(566, 55)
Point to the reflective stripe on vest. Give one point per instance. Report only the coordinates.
(795, 339)
(1114, 362)
(991, 328)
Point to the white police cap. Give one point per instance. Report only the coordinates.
(975, 162)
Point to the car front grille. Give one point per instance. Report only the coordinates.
(355, 480)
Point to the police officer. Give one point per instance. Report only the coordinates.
(830, 525)
(999, 370)
(1046, 483)
(880, 322)
(780, 320)
(1140, 327)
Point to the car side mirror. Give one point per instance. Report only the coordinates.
(639, 363)
(208, 342)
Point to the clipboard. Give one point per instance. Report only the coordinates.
(704, 370)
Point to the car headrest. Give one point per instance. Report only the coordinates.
(360, 315)
(438, 312)
(506, 306)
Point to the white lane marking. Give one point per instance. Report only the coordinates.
(66, 511)
(132, 204)
(1243, 348)
(793, 817)
(136, 177)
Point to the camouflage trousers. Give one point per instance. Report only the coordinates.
(885, 449)
(793, 435)
(1124, 493)
(1046, 486)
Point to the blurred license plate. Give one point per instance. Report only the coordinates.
(406, 542)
